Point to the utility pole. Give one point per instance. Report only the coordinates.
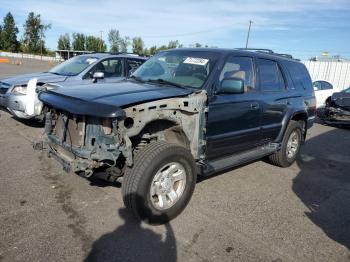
(250, 24)
(101, 41)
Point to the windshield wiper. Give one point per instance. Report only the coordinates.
(55, 73)
(166, 82)
(138, 79)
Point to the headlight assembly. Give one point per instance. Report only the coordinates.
(21, 90)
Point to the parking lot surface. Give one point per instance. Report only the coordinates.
(255, 212)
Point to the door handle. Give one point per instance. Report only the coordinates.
(254, 106)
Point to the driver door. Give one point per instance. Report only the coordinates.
(234, 119)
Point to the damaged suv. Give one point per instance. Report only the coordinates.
(183, 112)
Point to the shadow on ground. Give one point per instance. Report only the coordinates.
(323, 184)
(132, 242)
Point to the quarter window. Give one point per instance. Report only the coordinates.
(270, 76)
(239, 67)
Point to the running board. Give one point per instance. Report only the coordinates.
(211, 167)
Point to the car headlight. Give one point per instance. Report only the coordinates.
(22, 90)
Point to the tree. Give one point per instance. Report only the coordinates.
(117, 43)
(78, 42)
(8, 34)
(173, 44)
(114, 40)
(197, 45)
(95, 44)
(153, 50)
(63, 42)
(124, 43)
(0, 37)
(137, 45)
(34, 34)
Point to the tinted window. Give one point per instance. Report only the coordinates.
(270, 76)
(300, 76)
(326, 85)
(239, 67)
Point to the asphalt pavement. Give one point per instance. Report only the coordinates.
(256, 212)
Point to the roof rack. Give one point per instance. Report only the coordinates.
(268, 51)
(257, 50)
(116, 53)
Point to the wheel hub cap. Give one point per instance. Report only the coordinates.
(292, 144)
(168, 185)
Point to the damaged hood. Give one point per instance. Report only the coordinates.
(341, 99)
(44, 77)
(107, 99)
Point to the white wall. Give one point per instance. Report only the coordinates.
(21, 55)
(337, 73)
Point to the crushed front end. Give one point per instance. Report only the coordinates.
(81, 143)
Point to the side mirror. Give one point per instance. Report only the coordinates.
(232, 86)
(97, 75)
(315, 88)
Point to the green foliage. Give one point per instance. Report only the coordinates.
(78, 42)
(63, 42)
(95, 44)
(34, 34)
(0, 37)
(137, 45)
(8, 34)
(117, 43)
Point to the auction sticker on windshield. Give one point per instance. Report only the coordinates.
(196, 61)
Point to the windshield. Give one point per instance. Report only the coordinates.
(73, 66)
(347, 90)
(180, 68)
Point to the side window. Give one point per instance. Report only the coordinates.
(239, 67)
(326, 85)
(270, 75)
(110, 67)
(133, 64)
(317, 85)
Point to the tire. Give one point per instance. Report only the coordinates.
(152, 163)
(282, 158)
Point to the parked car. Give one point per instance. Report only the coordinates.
(323, 90)
(183, 112)
(83, 69)
(337, 109)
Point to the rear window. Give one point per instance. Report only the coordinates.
(300, 76)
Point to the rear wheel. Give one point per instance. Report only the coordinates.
(161, 182)
(290, 146)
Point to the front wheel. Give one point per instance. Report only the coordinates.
(290, 146)
(161, 182)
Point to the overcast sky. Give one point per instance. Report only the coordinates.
(302, 28)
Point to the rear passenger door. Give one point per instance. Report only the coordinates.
(272, 85)
(234, 119)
